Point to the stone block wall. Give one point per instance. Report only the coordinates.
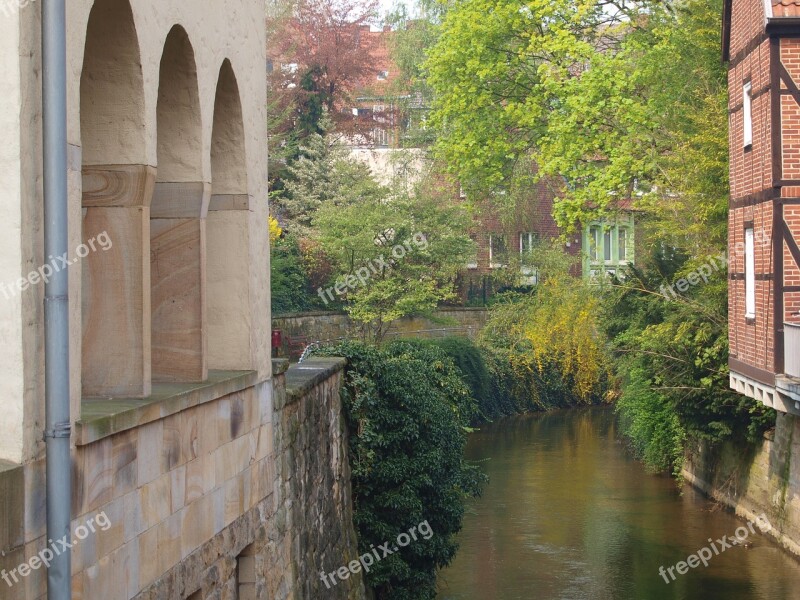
(208, 495)
(331, 326)
(764, 480)
(315, 510)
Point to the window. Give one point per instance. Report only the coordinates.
(749, 274)
(747, 110)
(622, 244)
(383, 75)
(526, 242)
(607, 245)
(246, 574)
(497, 251)
(380, 136)
(594, 243)
(473, 261)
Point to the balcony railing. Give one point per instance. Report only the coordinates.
(791, 349)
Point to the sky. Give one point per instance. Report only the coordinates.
(386, 6)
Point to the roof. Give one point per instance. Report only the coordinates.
(785, 8)
(783, 15)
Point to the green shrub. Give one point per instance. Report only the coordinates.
(407, 412)
(291, 289)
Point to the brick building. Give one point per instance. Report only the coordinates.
(761, 43)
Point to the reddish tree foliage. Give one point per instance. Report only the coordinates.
(321, 55)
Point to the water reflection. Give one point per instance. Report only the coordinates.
(569, 515)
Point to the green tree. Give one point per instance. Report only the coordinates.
(323, 174)
(620, 100)
(407, 413)
(396, 254)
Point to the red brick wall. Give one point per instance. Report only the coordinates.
(750, 174)
(750, 170)
(751, 343)
(533, 214)
(747, 23)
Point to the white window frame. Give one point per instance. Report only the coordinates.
(749, 274)
(594, 243)
(492, 264)
(530, 236)
(747, 114)
(622, 244)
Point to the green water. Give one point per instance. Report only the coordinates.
(569, 515)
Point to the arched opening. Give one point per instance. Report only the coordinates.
(229, 318)
(117, 190)
(177, 224)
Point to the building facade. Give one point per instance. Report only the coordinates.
(761, 43)
(171, 387)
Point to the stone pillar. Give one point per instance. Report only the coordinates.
(230, 317)
(178, 280)
(116, 282)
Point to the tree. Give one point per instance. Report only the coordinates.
(396, 255)
(607, 99)
(324, 55)
(620, 99)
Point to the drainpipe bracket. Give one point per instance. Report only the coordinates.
(61, 430)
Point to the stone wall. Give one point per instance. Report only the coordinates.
(231, 489)
(765, 479)
(314, 517)
(331, 326)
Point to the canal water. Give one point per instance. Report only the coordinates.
(569, 515)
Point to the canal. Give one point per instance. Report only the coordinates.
(569, 515)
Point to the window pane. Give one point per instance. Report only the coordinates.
(747, 113)
(607, 245)
(622, 244)
(749, 274)
(594, 242)
(526, 242)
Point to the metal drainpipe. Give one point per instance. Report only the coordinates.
(56, 301)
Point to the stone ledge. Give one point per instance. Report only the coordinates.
(103, 417)
(304, 376)
(280, 366)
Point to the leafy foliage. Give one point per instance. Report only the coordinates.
(407, 247)
(607, 96)
(289, 281)
(620, 100)
(672, 357)
(553, 335)
(407, 412)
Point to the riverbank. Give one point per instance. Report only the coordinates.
(569, 513)
(763, 480)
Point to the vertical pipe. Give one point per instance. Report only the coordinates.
(56, 302)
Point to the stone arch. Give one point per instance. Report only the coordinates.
(116, 195)
(112, 89)
(177, 221)
(229, 317)
(228, 160)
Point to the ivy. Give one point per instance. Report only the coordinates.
(407, 412)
